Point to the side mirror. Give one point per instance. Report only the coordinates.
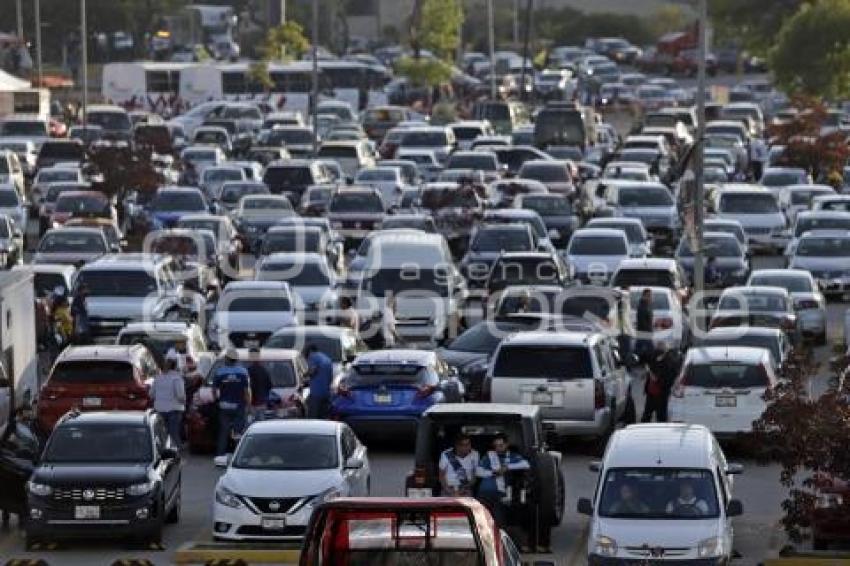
(168, 453)
(222, 461)
(734, 508)
(354, 464)
(585, 507)
(734, 469)
(595, 466)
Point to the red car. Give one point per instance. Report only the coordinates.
(96, 378)
(386, 530)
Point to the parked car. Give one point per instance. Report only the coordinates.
(809, 301)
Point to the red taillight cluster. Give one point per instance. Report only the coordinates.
(425, 391)
(598, 395)
(663, 323)
(419, 476)
(804, 304)
(343, 391)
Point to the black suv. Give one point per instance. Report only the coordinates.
(113, 474)
(537, 494)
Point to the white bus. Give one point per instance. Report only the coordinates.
(144, 85)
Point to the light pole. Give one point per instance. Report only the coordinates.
(491, 27)
(516, 22)
(19, 14)
(699, 178)
(38, 43)
(314, 108)
(84, 50)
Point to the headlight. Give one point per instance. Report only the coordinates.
(138, 489)
(56, 225)
(828, 501)
(710, 547)
(227, 498)
(39, 489)
(327, 495)
(605, 546)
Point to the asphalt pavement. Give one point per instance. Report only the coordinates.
(757, 533)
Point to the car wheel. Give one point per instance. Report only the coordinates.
(547, 478)
(173, 516)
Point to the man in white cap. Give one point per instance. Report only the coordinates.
(169, 397)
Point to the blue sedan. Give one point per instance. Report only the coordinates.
(386, 391)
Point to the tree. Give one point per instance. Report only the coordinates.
(809, 142)
(668, 18)
(434, 26)
(282, 43)
(812, 53)
(755, 22)
(423, 71)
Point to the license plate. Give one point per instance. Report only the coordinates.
(419, 492)
(251, 343)
(82, 512)
(725, 401)
(275, 524)
(541, 399)
(92, 401)
(383, 398)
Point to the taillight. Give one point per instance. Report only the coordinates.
(425, 391)
(663, 323)
(419, 476)
(343, 391)
(598, 395)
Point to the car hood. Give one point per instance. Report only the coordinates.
(88, 475)
(830, 264)
(658, 532)
(313, 294)
(122, 307)
(418, 307)
(460, 359)
(284, 483)
(253, 321)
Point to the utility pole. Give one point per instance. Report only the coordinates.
(282, 12)
(39, 73)
(314, 107)
(529, 6)
(491, 27)
(699, 178)
(84, 49)
(516, 22)
(19, 14)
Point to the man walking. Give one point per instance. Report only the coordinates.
(662, 371)
(232, 390)
(321, 369)
(644, 326)
(168, 393)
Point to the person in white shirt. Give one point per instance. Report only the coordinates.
(758, 157)
(457, 468)
(687, 504)
(168, 393)
(348, 317)
(179, 351)
(388, 320)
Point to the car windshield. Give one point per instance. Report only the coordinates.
(804, 197)
(68, 241)
(767, 302)
(502, 240)
(543, 362)
(298, 274)
(467, 133)
(808, 224)
(280, 136)
(658, 493)
(424, 139)
(257, 304)
(219, 175)
(99, 444)
(716, 247)
(110, 120)
(473, 161)
(24, 128)
(634, 231)
(398, 281)
(782, 178)
(57, 176)
(793, 284)
(523, 271)
(365, 374)
(376, 175)
(748, 203)
(627, 278)
(159, 343)
(824, 247)
(548, 206)
(81, 205)
(597, 245)
(261, 451)
(645, 197)
(553, 173)
(178, 202)
(837, 205)
(281, 372)
(113, 283)
(232, 193)
(62, 150)
(202, 155)
(297, 340)
(288, 177)
(294, 241)
(9, 198)
(725, 375)
(210, 225)
(369, 203)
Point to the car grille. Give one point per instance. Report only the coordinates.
(284, 504)
(257, 531)
(96, 494)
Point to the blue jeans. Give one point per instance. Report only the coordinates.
(174, 424)
(230, 422)
(318, 407)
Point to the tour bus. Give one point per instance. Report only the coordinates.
(145, 85)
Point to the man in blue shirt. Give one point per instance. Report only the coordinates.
(321, 369)
(232, 389)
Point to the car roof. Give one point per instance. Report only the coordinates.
(652, 262)
(164, 327)
(295, 257)
(654, 445)
(256, 285)
(524, 411)
(400, 356)
(295, 426)
(563, 338)
(595, 232)
(613, 220)
(782, 273)
(125, 261)
(733, 331)
(322, 330)
(105, 352)
(104, 417)
(714, 354)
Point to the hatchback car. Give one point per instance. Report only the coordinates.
(280, 472)
(730, 260)
(771, 339)
(809, 302)
(826, 255)
(594, 254)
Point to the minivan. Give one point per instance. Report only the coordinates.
(664, 491)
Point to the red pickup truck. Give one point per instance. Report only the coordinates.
(402, 531)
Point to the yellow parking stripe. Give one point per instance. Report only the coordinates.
(192, 553)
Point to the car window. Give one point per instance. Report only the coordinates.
(543, 362)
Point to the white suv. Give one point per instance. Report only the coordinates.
(574, 377)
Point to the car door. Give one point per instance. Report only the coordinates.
(354, 478)
(168, 468)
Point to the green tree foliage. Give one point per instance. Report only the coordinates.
(285, 42)
(669, 18)
(435, 27)
(423, 71)
(751, 23)
(812, 52)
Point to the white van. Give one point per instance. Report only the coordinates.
(664, 493)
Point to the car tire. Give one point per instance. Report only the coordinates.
(173, 516)
(547, 476)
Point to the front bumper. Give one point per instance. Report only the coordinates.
(244, 524)
(597, 427)
(596, 560)
(116, 520)
(768, 241)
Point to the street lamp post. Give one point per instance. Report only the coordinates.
(84, 49)
(314, 108)
(491, 27)
(699, 177)
(19, 15)
(38, 43)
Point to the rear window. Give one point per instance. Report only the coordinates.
(344, 152)
(87, 371)
(258, 304)
(546, 362)
(366, 375)
(582, 307)
(62, 150)
(644, 277)
(732, 376)
(597, 245)
(808, 224)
